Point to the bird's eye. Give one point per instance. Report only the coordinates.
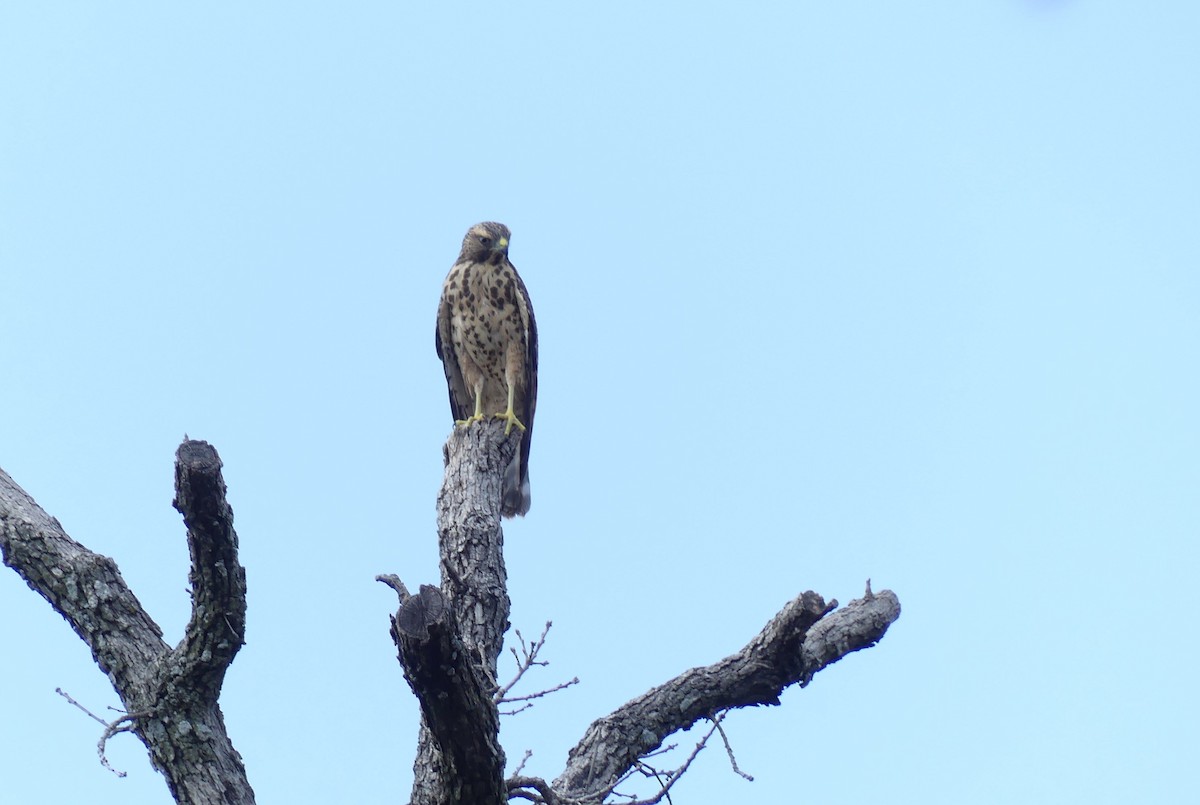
(485, 240)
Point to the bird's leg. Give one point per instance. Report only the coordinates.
(478, 415)
(510, 416)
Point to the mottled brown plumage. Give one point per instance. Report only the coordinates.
(487, 340)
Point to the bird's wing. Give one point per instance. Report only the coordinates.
(461, 402)
(531, 370)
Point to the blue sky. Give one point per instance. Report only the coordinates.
(905, 291)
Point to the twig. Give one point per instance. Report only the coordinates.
(671, 777)
(112, 729)
(521, 765)
(536, 790)
(67, 696)
(526, 660)
(540, 693)
(729, 749)
(662, 750)
(393, 581)
(520, 709)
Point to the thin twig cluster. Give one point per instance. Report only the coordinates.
(539, 792)
(527, 658)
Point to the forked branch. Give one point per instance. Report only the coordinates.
(169, 695)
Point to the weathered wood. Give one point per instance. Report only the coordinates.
(460, 720)
(170, 695)
(449, 643)
(457, 752)
(448, 639)
(799, 641)
(470, 539)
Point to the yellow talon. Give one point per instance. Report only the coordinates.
(510, 416)
(510, 419)
(478, 415)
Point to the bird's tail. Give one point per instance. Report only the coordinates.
(516, 489)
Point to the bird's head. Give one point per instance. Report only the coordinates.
(485, 243)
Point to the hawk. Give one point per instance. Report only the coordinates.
(487, 340)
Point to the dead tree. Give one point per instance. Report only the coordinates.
(448, 636)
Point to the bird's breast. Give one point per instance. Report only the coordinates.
(485, 316)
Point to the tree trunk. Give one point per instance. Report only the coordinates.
(450, 637)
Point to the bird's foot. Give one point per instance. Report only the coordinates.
(510, 419)
(469, 420)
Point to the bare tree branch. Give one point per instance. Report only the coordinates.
(218, 622)
(860, 625)
(534, 789)
(448, 639)
(789, 650)
(169, 695)
(786, 652)
(84, 587)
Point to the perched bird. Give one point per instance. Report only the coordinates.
(487, 340)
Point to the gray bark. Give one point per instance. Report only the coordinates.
(797, 643)
(170, 694)
(449, 637)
